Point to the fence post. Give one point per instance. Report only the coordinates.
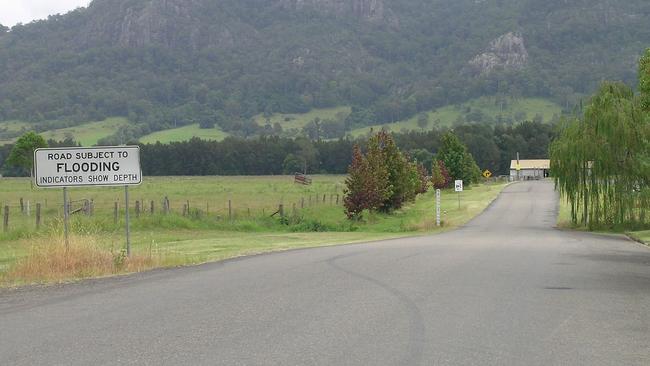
(22, 206)
(249, 212)
(5, 221)
(324, 197)
(281, 210)
(115, 213)
(28, 208)
(92, 207)
(151, 211)
(137, 209)
(229, 209)
(302, 202)
(337, 199)
(38, 216)
(185, 209)
(310, 200)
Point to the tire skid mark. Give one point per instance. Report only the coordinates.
(416, 319)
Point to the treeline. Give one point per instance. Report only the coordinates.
(493, 147)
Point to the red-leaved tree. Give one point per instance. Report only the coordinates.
(423, 176)
(440, 177)
(366, 185)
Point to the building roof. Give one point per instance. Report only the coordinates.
(531, 164)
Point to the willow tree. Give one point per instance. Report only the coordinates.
(644, 80)
(598, 161)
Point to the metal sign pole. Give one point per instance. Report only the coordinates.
(459, 200)
(126, 216)
(66, 216)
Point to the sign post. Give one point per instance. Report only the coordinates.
(438, 207)
(109, 166)
(458, 187)
(127, 221)
(66, 216)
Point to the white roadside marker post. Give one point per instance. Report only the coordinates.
(438, 192)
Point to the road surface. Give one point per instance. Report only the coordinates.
(507, 289)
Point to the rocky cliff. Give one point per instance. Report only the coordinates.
(184, 23)
(373, 10)
(507, 52)
(169, 23)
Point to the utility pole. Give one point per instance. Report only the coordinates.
(518, 168)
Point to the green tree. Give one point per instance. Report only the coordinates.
(292, 164)
(308, 153)
(458, 160)
(600, 161)
(403, 181)
(22, 154)
(644, 80)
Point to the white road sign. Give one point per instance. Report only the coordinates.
(459, 186)
(92, 166)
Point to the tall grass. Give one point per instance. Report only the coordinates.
(50, 260)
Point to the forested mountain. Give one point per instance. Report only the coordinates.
(165, 63)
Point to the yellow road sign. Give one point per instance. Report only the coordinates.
(487, 173)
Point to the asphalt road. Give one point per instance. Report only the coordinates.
(507, 289)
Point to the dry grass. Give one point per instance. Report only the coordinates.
(51, 261)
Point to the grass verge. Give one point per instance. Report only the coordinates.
(564, 221)
(174, 240)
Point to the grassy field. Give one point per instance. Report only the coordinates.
(564, 221)
(88, 133)
(183, 134)
(209, 232)
(445, 117)
(14, 126)
(11, 127)
(298, 121)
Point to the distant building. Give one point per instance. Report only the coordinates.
(530, 169)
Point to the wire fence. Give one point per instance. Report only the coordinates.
(28, 214)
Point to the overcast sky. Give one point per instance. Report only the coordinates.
(24, 11)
